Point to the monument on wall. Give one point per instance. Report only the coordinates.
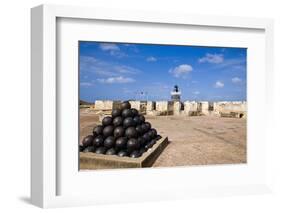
(176, 94)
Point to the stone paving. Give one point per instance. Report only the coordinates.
(195, 140)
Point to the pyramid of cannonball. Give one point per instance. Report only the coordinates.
(125, 133)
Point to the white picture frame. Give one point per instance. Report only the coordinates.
(46, 169)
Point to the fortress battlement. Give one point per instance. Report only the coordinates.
(237, 109)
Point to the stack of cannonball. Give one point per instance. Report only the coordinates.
(125, 133)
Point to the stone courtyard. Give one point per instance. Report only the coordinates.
(193, 140)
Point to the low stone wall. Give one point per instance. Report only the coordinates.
(106, 104)
(103, 105)
(205, 108)
(236, 109)
(191, 108)
(135, 104)
(141, 106)
(150, 106)
(177, 108)
(165, 107)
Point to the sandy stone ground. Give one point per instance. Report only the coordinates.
(197, 140)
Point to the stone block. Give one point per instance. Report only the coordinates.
(165, 107)
(177, 108)
(100, 161)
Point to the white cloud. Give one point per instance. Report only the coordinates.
(131, 47)
(219, 84)
(181, 70)
(101, 68)
(109, 47)
(86, 84)
(212, 58)
(196, 93)
(118, 80)
(235, 63)
(151, 59)
(236, 80)
(113, 49)
(125, 69)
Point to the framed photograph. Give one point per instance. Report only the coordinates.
(146, 105)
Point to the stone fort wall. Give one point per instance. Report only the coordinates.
(189, 108)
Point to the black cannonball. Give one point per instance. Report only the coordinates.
(108, 131)
(133, 144)
(146, 137)
(151, 143)
(147, 146)
(125, 105)
(89, 149)
(144, 128)
(121, 143)
(81, 148)
(151, 134)
(154, 132)
(128, 122)
(117, 121)
(158, 137)
(131, 132)
(98, 130)
(127, 113)
(142, 118)
(109, 142)
(118, 132)
(142, 150)
(98, 141)
(141, 141)
(116, 112)
(137, 120)
(101, 150)
(111, 151)
(139, 129)
(134, 112)
(135, 154)
(148, 125)
(88, 141)
(122, 153)
(106, 121)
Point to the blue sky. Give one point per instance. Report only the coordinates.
(120, 71)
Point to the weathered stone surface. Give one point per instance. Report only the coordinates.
(236, 109)
(106, 104)
(141, 106)
(103, 105)
(150, 106)
(231, 109)
(153, 113)
(177, 108)
(165, 107)
(135, 104)
(98, 161)
(204, 107)
(190, 108)
(202, 140)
